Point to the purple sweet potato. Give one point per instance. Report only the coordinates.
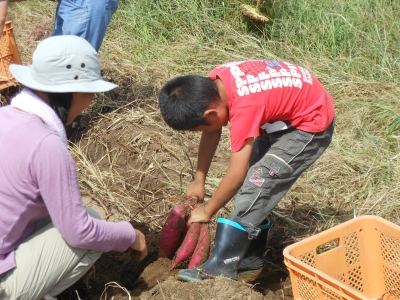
(202, 250)
(188, 245)
(172, 231)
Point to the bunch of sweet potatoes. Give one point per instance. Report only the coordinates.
(187, 240)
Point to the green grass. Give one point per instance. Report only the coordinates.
(358, 38)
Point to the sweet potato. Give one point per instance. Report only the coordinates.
(172, 231)
(185, 230)
(188, 244)
(202, 250)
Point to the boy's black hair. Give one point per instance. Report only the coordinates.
(61, 103)
(183, 100)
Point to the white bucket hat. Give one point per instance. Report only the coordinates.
(62, 64)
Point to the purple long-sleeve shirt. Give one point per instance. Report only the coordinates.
(38, 177)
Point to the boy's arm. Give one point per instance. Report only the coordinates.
(208, 144)
(228, 186)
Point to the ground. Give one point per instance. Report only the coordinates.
(133, 168)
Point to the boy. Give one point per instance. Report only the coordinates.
(281, 121)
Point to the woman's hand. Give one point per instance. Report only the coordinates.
(140, 244)
(196, 190)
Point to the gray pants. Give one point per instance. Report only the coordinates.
(276, 162)
(46, 264)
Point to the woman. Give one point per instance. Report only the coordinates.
(47, 238)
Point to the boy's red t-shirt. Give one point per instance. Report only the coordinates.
(261, 91)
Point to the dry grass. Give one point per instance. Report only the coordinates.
(130, 158)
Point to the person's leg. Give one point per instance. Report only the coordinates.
(294, 150)
(100, 14)
(253, 259)
(85, 18)
(268, 180)
(46, 264)
(58, 22)
(72, 18)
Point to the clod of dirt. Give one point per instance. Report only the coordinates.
(250, 277)
(154, 273)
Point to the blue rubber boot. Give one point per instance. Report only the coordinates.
(254, 258)
(230, 245)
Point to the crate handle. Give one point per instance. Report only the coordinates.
(325, 247)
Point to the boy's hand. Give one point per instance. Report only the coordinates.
(140, 244)
(196, 190)
(199, 214)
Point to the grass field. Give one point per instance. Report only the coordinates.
(351, 46)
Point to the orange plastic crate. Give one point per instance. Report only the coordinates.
(359, 259)
(8, 54)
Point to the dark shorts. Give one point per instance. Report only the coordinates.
(276, 162)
